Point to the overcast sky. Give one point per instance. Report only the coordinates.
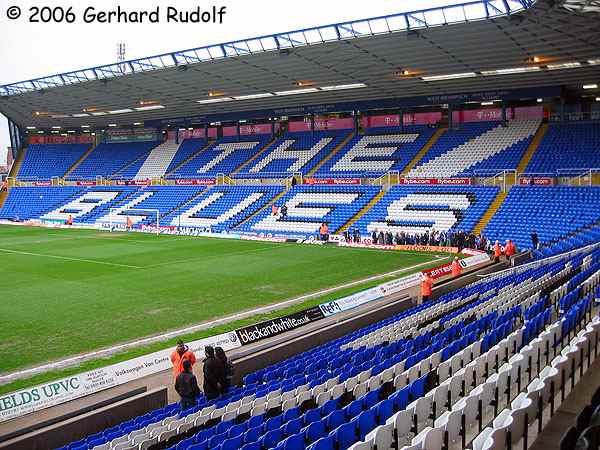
(30, 50)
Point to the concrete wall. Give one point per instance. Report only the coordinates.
(90, 423)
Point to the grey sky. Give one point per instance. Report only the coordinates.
(33, 50)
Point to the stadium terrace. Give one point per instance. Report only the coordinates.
(393, 236)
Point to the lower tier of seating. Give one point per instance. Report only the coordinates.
(431, 377)
(555, 213)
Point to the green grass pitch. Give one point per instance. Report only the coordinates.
(66, 292)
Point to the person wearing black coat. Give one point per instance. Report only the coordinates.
(535, 240)
(374, 237)
(214, 373)
(186, 386)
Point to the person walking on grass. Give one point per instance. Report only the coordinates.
(186, 386)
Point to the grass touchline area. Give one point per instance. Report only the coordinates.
(143, 350)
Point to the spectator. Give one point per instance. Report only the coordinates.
(426, 285)
(357, 235)
(381, 238)
(389, 238)
(274, 210)
(284, 211)
(456, 267)
(497, 252)
(374, 237)
(186, 386)
(70, 220)
(535, 241)
(214, 372)
(397, 240)
(180, 354)
(228, 369)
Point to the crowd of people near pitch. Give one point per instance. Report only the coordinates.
(217, 372)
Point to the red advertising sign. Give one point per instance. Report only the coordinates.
(529, 112)
(439, 271)
(440, 181)
(229, 131)
(536, 181)
(393, 120)
(82, 139)
(42, 183)
(212, 132)
(334, 124)
(249, 130)
(332, 181)
(195, 182)
(85, 183)
(299, 125)
(429, 118)
(134, 182)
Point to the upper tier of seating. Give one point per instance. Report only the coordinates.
(554, 212)
(224, 156)
(377, 152)
(157, 162)
(308, 206)
(186, 149)
(567, 146)
(44, 161)
(121, 160)
(441, 371)
(416, 209)
(296, 152)
(485, 147)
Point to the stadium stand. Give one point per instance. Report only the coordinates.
(186, 149)
(222, 208)
(157, 162)
(377, 152)
(165, 199)
(310, 206)
(25, 203)
(296, 152)
(108, 159)
(481, 362)
(488, 146)
(568, 146)
(44, 161)
(416, 209)
(223, 156)
(554, 212)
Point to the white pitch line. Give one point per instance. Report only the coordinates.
(67, 258)
(104, 353)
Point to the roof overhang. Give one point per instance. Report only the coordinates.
(364, 60)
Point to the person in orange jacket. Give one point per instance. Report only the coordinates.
(426, 285)
(497, 251)
(129, 223)
(324, 232)
(456, 267)
(70, 220)
(180, 354)
(509, 249)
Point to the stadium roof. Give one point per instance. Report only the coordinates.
(478, 46)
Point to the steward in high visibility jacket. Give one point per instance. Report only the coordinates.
(456, 267)
(426, 285)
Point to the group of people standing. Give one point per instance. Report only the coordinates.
(217, 373)
(434, 238)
